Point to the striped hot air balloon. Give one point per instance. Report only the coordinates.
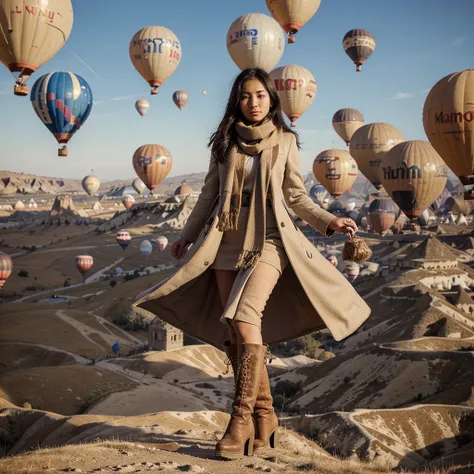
(83, 263)
(180, 99)
(333, 260)
(142, 106)
(381, 214)
(255, 41)
(91, 184)
(351, 270)
(63, 102)
(155, 52)
(6, 267)
(128, 201)
(139, 186)
(33, 32)
(345, 122)
(358, 44)
(123, 239)
(152, 163)
(146, 248)
(161, 242)
(318, 193)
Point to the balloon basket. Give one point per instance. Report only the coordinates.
(20, 90)
(154, 91)
(291, 40)
(63, 152)
(359, 68)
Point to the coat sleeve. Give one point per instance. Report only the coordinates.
(297, 198)
(209, 193)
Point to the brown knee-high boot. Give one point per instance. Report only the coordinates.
(266, 421)
(239, 436)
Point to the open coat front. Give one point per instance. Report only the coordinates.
(311, 293)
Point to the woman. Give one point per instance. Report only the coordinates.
(248, 256)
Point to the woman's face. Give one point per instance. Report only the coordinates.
(254, 101)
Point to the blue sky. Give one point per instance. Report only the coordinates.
(418, 43)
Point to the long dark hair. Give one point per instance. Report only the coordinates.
(225, 135)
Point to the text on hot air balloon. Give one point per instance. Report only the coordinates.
(402, 172)
(37, 11)
(155, 45)
(454, 117)
(244, 33)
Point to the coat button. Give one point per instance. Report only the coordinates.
(206, 263)
(282, 224)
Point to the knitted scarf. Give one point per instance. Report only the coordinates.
(252, 140)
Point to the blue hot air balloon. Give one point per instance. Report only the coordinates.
(115, 347)
(318, 192)
(63, 101)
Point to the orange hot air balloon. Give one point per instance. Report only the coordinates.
(128, 201)
(368, 146)
(83, 263)
(6, 267)
(382, 214)
(359, 45)
(296, 87)
(346, 121)
(180, 98)
(155, 52)
(336, 170)
(33, 32)
(152, 163)
(414, 175)
(293, 15)
(448, 118)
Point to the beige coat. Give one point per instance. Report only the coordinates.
(311, 293)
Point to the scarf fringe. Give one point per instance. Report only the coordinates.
(248, 258)
(228, 221)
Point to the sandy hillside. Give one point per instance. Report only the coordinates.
(383, 377)
(162, 441)
(75, 332)
(400, 438)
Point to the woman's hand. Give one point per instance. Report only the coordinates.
(343, 225)
(179, 248)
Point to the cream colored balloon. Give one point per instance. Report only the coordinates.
(293, 15)
(155, 52)
(296, 87)
(368, 146)
(448, 118)
(31, 33)
(255, 40)
(336, 170)
(414, 175)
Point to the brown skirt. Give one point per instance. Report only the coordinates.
(233, 241)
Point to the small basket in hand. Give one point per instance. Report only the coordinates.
(355, 249)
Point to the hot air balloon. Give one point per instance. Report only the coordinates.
(296, 87)
(255, 41)
(155, 53)
(293, 15)
(128, 201)
(337, 208)
(368, 146)
(358, 45)
(32, 33)
(180, 98)
(326, 203)
(138, 185)
(351, 270)
(115, 347)
(123, 239)
(6, 267)
(448, 118)
(91, 184)
(382, 214)
(351, 204)
(414, 175)
(161, 242)
(441, 199)
(333, 260)
(62, 101)
(424, 218)
(318, 192)
(336, 170)
(152, 163)
(146, 248)
(83, 264)
(204, 92)
(142, 106)
(346, 121)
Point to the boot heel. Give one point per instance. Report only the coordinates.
(248, 449)
(274, 439)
